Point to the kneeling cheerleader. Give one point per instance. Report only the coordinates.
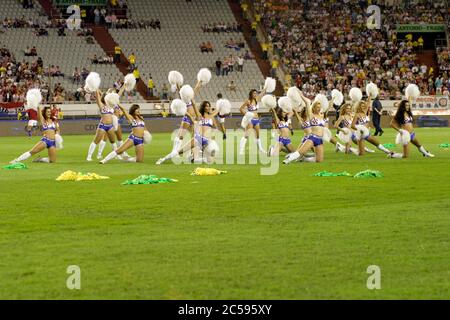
(361, 126)
(403, 122)
(48, 140)
(315, 138)
(281, 121)
(343, 126)
(139, 135)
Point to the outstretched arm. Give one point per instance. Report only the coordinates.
(39, 114)
(275, 117)
(126, 114)
(98, 98)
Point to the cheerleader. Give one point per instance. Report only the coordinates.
(251, 105)
(360, 123)
(106, 126)
(403, 122)
(221, 120)
(202, 140)
(136, 137)
(281, 121)
(338, 147)
(343, 125)
(117, 117)
(314, 139)
(49, 129)
(187, 122)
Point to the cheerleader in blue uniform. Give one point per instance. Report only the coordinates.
(49, 129)
(203, 142)
(360, 123)
(136, 137)
(118, 116)
(314, 139)
(281, 121)
(403, 122)
(106, 126)
(344, 126)
(251, 105)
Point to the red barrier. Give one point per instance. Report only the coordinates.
(11, 105)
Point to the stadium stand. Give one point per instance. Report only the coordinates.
(177, 45)
(325, 44)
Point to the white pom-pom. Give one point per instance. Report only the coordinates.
(178, 107)
(129, 82)
(115, 122)
(293, 93)
(247, 119)
(270, 85)
(186, 93)
(175, 78)
(34, 98)
(173, 88)
(269, 101)
(327, 134)
(412, 92)
(204, 76)
(59, 141)
(372, 90)
(224, 106)
(345, 135)
(337, 97)
(147, 137)
(355, 94)
(93, 82)
(112, 99)
(323, 102)
(361, 132)
(212, 147)
(285, 104)
(403, 137)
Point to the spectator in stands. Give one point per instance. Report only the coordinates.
(136, 74)
(164, 92)
(150, 86)
(203, 47)
(218, 67)
(231, 86)
(117, 54)
(76, 76)
(84, 73)
(209, 47)
(240, 62)
(274, 66)
(132, 60)
(225, 69)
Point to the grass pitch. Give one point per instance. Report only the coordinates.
(235, 236)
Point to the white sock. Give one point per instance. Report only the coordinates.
(354, 151)
(258, 141)
(110, 156)
(119, 143)
(132, 159)
(242, 144)
(309, 159)
(294, 156)
(340, 147)
(91, 149)
(44, 160)
(114, 146)
(101, 147)
(382, 148)
(422, 149)
(176, 143)
(23, 157)
(397, 155)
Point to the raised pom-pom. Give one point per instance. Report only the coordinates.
(129, 82)
(269, 101)
(147, 137)
(403, 137)
(270, 85)
(224, 106)
(212, 148)
(372, 90)
(285, 104)
(337, 97)
(175, 78)
(412, 91)
(93, 82)
(112, 99)
(322, 99)
(355, 94)
(34, 98)
(173, 88)
(361, 132)
(293, 93)
(178, 107)
(204, 76)
(186, 93)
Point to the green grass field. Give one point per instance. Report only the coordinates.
(235, 236)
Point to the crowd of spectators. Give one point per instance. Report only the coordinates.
(222, 27)
(326, 44)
